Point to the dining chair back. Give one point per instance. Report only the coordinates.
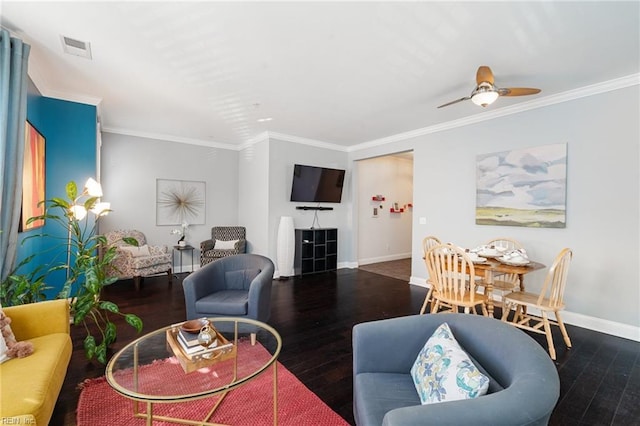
(454, 276)
(427, 243)
(550, 299)
(506, 282)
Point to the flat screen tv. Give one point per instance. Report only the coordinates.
(316, 184)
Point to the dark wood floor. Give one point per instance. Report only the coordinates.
(600, 376)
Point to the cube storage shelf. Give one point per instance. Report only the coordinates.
(316, 251)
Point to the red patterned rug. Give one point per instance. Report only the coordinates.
(251, 404)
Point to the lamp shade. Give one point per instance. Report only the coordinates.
(93, 188)
(101, 209)
(78, 212)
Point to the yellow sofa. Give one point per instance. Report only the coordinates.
(29, 386)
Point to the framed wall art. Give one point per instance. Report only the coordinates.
(180, 201)
(524, 187)
(33, 178)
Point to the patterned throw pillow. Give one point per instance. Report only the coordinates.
(141, 251)
(444, 372)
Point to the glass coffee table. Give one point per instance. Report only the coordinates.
(154, 369)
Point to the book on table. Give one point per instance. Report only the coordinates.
(188, 339)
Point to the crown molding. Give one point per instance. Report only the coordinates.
(306, 141)
(570, 95)
(170, 138)
(262, 137)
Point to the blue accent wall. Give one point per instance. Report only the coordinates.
(70, 130)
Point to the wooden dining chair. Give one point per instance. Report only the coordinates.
(550, 299)
(427, 243)
(454, 276)
(505, 283)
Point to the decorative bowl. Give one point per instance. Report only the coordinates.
(194, 326)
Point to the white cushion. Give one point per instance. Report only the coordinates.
(444, 372)
(225, 245)
(137, 251)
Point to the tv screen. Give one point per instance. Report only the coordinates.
(316, 184)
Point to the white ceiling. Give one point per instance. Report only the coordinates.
(337, 72)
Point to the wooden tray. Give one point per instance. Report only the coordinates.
(191, 362)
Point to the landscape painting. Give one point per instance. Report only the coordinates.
(525, 187)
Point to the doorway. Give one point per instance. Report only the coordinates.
(385, 214)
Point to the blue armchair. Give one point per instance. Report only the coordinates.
(233, 286)
(523, 389)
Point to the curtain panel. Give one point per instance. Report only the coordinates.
(14, 56)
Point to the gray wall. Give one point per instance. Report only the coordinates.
(130, 167)
(602, 199)
(282, 156)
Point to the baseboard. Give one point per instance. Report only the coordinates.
(600, 325)
(383, 258)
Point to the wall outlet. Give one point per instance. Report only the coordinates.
(422, 221)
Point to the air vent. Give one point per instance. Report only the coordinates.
(76, 47)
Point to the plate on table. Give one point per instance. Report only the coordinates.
(513, 262)
(478, 261)
(491, 255)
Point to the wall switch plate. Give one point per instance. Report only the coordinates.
(422, 221)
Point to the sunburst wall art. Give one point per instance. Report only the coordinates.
(180, 201)
(523, 187)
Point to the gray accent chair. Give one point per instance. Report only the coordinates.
(523, 389)
(223, 233)
(234, 286)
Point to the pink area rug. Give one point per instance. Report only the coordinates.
(251, 404)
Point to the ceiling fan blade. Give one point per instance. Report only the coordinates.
(517, 91)
(484, 75)
(466, 98)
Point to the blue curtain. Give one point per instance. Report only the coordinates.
(13, 113)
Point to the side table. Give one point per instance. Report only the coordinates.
(182, 249)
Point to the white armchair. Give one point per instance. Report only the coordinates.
(137, 262)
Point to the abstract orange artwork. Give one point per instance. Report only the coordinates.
(32, 178)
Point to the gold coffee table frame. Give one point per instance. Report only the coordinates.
(133, 350)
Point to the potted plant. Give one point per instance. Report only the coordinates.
(85, 267)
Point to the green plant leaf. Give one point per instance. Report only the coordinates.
(131, 241)
(72, 190)
(89, 346)
(110, 333)
(109, 306)
(59, 202)
(101, 353)
(134, 321)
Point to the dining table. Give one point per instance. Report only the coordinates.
(492, 267)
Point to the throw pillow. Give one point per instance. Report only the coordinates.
(137, 251)
(225, 245)
(444, 372)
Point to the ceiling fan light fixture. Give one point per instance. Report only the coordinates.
(484, 97)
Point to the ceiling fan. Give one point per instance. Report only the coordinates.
(486, 91)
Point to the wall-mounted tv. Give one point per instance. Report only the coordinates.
(316, 184)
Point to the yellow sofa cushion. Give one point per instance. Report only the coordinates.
(31, 385)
